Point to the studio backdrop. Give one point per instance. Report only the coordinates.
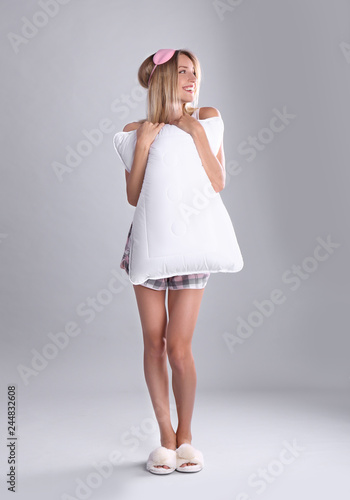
(279, 73)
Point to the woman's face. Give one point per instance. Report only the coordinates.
(187, 80)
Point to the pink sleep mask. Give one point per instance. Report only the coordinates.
(160, 57)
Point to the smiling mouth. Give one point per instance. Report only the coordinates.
(191, 90)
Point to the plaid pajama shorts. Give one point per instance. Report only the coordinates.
(173, 282)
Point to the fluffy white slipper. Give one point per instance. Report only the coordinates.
(161, 456)
(186, 453)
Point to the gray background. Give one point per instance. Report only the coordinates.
(61, 240)
(64, 238)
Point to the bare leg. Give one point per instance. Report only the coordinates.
(183, 307)
(153, 316)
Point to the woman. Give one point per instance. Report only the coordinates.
(172, 78)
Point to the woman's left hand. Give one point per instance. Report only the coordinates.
(186, 123)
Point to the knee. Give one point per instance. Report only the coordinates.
(179, 358)
(155, 345)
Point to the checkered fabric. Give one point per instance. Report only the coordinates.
(174, 282)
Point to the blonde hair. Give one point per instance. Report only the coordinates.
(163, 92)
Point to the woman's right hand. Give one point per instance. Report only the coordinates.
(147, 132)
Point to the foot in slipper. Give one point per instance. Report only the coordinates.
(186, 453)
(159, 457)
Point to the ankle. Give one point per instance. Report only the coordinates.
(168, 439)
(182, 438)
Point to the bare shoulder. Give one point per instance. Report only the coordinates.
(208, 112)
(131, 126)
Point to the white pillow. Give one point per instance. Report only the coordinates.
(180, 224)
